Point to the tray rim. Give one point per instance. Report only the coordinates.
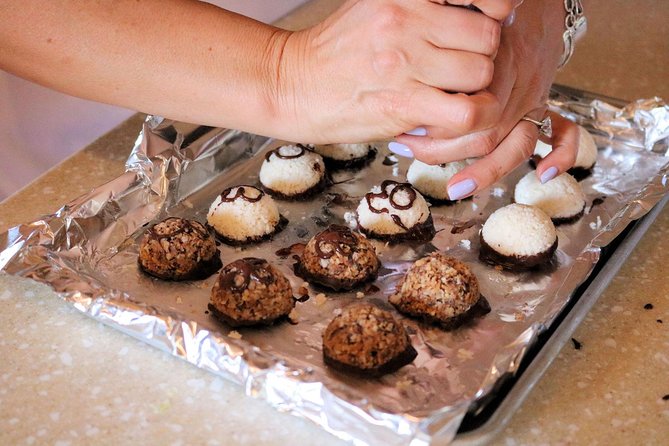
(542, 360)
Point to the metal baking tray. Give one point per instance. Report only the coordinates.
(85, 252)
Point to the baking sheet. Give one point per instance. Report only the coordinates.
(88, 250)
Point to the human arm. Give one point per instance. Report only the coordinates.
(354, 77)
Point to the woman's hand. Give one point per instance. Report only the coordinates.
(525, 67)
(379, 68)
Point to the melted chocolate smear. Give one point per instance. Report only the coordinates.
(659, 321)
(371, 289)
(320, 221)
(597, 201)
(301, 232)
(666, 397)
(339, 198)
(301, 299)
(295, 248)
(206, 311)
(462, 227)
(339, 238)
(648, 307)
(389, 160)
(343, 181)
(238, 275)
(577, 344)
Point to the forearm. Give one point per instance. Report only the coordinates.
(177, 58)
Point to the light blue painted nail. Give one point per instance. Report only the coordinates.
(510, 19)
(461, 189)
(418, 131)
(548, 174)
(400, 149)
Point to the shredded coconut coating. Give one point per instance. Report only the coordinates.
(519, 230)
(437, 287)
(364, 337)
(175, 248)
(432, 180)
(561, 197)
(342, 152)
(383, 223)
(243, 220)
(292, 176)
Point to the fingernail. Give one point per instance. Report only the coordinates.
(461, 189)
(510, 19)
(400, 149)
(548, 175)
(418, 131)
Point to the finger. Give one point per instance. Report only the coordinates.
(453, 70)
(458, 114)
(496, 9)
(438, 151)
(460, 29)
(565, 148)
(512, 151)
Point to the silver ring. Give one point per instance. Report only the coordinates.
(545, 126)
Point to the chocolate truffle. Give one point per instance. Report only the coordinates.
(518, 237)
(178, 249)
(244, 214)
(432, 181)
(367, 341)
(395, 212)
(250, 291)
(440, 290)
(293, 172)
(586, 157)
(338, 258)
(561, 198)
(346, 156)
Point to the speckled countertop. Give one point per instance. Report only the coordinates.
(67, 380)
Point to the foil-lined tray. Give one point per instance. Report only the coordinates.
(87, 252)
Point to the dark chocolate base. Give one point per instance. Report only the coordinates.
(579, 173)
(479, 309)
(568, 220)
(319, 187)
(423, 232)
(515, 263)
(201, 272)
(234, 323)
(444, 202)
(283, 222)
(332, 283)
(399, 361)
(352, 164)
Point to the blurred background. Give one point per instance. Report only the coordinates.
(40, 127)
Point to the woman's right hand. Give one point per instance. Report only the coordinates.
(378, 68)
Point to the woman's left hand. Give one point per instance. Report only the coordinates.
(525, 68)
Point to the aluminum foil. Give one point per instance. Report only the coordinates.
(87, 252)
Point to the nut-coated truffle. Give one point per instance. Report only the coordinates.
(366, 340)
(250, 291)
(178, 249)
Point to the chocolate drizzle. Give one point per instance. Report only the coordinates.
(390, 196)
(241, 193)
(237, 276)
(339, 238)
(279, 154)
(183, 226)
